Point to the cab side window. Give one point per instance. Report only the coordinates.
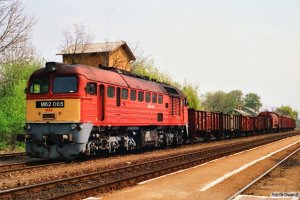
(111, 91)
(160, 99)
(141, 96)
(148, 97)
(154, 98)
(124, 93)
(133, 95)
(91, 88)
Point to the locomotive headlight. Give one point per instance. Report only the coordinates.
(79, 127)
(27, 127)
(73, 127)
(50, 66)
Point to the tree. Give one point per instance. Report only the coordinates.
(76, 43)
(22, 52)
(15, 28)
(219, 101)
(12, 101)
(145, 67)
(288, 111)
(222, 101)
(252, 100)
(215, 101)
(236, 97)
(110, 58)
(191, 92)
(16, 64)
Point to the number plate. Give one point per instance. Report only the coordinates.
(50, 104)
(49, 116)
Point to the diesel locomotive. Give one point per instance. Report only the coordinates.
(76, 110)
(80, 110)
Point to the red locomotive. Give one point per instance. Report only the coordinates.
(77, 110)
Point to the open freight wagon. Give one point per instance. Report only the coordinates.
(217, 125)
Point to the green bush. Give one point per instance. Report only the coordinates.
(12, 101)
(3, 146)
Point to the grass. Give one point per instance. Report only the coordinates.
(4, 147)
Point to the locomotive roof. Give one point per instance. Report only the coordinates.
(115, 77)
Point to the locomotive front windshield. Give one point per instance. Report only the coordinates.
(65, 84)
(39, 85)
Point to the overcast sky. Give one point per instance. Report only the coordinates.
(250, 45)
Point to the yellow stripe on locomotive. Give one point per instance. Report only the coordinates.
(50, 110)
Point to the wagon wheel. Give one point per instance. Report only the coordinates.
(220, 136)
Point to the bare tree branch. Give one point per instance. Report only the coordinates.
(76, 42)
(141, 59)
(116, 60)
(113, 59)
(15, 26)
(21, 52)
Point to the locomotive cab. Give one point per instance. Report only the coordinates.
(53, 115)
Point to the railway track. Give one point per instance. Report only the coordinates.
(12, 155)
(11, 167)
(263, 175)
(97, 182)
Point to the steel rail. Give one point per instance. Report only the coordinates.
(27, 166)
(11, 155)
(129, 175)
(262, 176)
(146, 174)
